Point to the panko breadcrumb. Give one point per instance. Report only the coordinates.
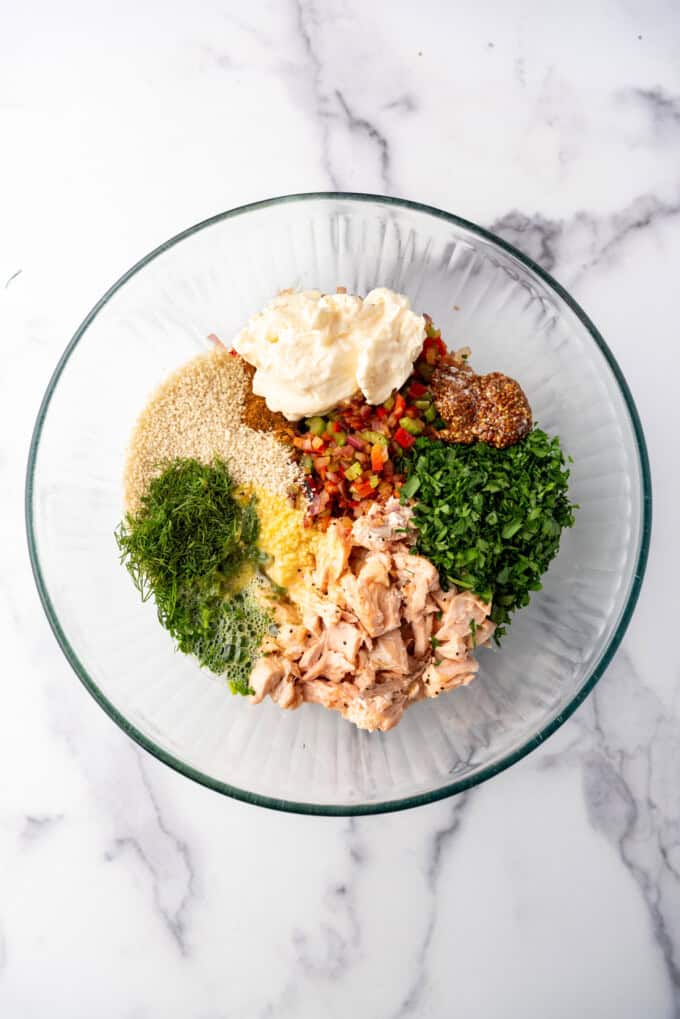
(197, 413)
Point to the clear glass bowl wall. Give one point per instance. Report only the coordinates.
(212, 279)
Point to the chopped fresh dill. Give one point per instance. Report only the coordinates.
(187, 546)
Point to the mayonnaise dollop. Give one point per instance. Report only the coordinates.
(312, 350)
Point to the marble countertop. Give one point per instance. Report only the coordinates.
(126, 891)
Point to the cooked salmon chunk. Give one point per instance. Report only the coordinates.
(375, 633)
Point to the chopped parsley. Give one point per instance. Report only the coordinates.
(490, 519)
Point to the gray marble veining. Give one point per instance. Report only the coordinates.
(554, 889)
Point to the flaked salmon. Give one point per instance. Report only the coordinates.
(374, 631)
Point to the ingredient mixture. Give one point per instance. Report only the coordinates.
(337, 509)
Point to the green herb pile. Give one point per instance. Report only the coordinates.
(490, 519)
(185, 547)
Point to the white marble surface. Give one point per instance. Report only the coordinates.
(554, 890)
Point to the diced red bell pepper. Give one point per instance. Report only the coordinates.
(378, 457)
(363, 488)
(382, 413)
(416, 390)
(435, 344)
(399, 406)
(403, 438)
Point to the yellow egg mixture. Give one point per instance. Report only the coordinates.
(283, 536)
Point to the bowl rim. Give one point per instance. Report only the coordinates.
(401, 803)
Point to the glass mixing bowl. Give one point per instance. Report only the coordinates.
(481, 292)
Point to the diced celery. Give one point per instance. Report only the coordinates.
(317, 426)
(412, 425)
(374, 437)
(431, 413)
(411, 487)
(354, 471)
